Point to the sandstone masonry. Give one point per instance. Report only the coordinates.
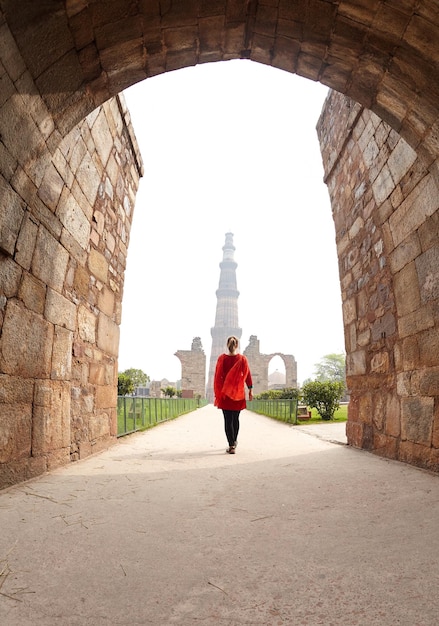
(66, 211)
(193, 370)
(385, 208)
(259, 363)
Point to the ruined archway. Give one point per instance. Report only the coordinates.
(67, 193)
(259, 366)
(80, 53)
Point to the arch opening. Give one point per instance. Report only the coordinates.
(60, 184)
(274, 229)
(276, 373)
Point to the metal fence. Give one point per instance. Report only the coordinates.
(137, 413)
(283, 410)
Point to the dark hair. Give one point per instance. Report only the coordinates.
(232, 343)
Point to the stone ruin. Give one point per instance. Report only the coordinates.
(259, 366)
(193, 370)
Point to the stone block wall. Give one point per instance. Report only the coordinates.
(193, 370)
(66, 210)
(385, 208)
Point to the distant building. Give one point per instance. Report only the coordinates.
(276, 380)
(153, 389)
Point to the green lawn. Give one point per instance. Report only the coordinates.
(284, 411)
(341, 415)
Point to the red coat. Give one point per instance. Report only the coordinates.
(231, 372)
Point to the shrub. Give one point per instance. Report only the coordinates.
(289, 393)
(323, 396)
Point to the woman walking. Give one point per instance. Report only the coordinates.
(231, 373)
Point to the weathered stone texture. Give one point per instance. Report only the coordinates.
(32, 292)
(51, 418)
(389, 278)
(87, 322)
(59, 310)
(427, 268)
(108, 335)
(10, 276)
(75, 221)
(26, 343)
(50, 260)
(15, 432)
(62, 354)
(259, 364)
(58, 268)
(98, 265)
(193, 370)
(417, 419)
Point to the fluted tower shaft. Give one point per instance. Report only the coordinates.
(226, 318)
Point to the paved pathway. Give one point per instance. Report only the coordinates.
(165, 528)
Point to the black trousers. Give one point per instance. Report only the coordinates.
(231, 425)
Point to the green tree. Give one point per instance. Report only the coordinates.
(169, 391)
(138, 377)
(331, 367)
(129, 380)
(125, 385)
(323, 396)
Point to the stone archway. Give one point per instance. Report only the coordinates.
(69, 174)
(80, 53)
(259, 366)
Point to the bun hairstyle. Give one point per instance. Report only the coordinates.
(232, 343)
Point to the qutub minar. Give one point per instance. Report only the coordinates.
(226, 317)
(226, 323)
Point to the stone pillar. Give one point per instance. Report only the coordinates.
(290, 370)
(65, 218)
(258, 365)
(193, 372)
(385, 208)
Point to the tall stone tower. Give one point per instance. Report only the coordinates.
(226, 318)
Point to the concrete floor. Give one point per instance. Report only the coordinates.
(165, 528)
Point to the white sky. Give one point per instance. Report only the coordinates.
(230, 146)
